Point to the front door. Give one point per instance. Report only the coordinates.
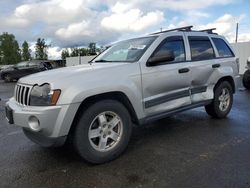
(166, 85)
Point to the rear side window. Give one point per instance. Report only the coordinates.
(222, 48)
(33, 64)
(173, 44)
(201, 48)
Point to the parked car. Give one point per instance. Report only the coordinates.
(136, 81)
(5, 67)
(23, 69)
(246, 76)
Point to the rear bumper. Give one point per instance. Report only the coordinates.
(237, 81)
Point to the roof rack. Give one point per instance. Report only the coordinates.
(209, 31)
(187, 28)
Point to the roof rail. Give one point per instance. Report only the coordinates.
(209, 31)
(187, 28)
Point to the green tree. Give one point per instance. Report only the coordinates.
(9, 49)
(92, 48)
(41, 52)
(74, 52)
(65, 53)
(26, 52)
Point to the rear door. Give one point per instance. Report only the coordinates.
(34, 67)
(225, 55)
(202, 64)
(21, 69)
(166, 85)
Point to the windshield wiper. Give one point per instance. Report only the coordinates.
(103, 60)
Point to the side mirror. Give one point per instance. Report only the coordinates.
(16, 68)
(161, 57)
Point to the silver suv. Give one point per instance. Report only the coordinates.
(137, 81)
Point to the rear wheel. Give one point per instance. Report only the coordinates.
(246, 79)
(103, 131)
(7, 78)
(222, 102)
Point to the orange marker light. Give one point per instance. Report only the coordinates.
(55, 96)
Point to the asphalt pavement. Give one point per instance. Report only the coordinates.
(189, 149)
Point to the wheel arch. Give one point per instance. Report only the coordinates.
(114, 95)
(228, 79)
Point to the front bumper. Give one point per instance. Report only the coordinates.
(43, 140)
(54, 121)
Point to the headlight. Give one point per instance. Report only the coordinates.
(43, 95)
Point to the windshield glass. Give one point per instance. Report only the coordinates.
(22, 64)
(126, 51)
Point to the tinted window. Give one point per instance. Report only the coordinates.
(33, 64)
(201, 48)
(22, 64)
(222, 48)
(175, 45)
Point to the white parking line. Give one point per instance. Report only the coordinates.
(14, 133)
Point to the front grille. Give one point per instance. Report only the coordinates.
(22, 94)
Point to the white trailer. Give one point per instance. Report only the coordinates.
(78, 60)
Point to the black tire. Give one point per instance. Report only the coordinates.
(246, 79)
(80, 135)
(213, 108)
(7, 77)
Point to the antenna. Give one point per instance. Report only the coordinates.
(187, 28)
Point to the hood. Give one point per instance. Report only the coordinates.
(62, 74)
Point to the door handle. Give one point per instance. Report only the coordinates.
(184, 70)
(215, 66)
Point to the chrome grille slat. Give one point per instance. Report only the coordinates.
(15, 92)
(18, 87)
(22, 94)
(28, 96)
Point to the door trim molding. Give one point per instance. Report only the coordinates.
(199, 89)
(174, 96)
(171, 112)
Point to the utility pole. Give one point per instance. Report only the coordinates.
(237, 30)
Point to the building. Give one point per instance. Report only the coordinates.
(72, 61)
(242, 50)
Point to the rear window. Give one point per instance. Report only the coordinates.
(222, 48)
(201, 48)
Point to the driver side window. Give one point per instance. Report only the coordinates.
(173, 45)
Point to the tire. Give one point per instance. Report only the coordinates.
(98, 115)
(246, 79)
(7, 77)
(220, 107)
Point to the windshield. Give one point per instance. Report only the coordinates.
(22, 64)
(126, 51)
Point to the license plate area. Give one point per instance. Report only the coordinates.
(9, 115)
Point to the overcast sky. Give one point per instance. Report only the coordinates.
(71, 23)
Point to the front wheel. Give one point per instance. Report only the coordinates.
(103, 131)
(246, 79)
(222, 102)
